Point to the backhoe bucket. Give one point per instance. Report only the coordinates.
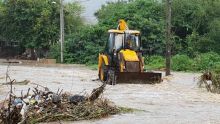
(138, 77)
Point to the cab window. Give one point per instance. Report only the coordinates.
(111, 42)
(133, 41)
(118, 41)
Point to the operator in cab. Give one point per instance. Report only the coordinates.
(128, 42)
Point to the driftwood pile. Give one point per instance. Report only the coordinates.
(44, 105)
(211, 81)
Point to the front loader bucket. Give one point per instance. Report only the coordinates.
(138, 77)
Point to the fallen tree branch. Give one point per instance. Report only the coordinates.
(96, 93)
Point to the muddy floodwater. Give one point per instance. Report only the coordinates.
(177, 100)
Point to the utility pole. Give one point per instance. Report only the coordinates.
(168, 36)
(61, 31)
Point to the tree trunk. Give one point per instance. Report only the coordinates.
(168, 36)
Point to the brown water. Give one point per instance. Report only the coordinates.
(177, 100)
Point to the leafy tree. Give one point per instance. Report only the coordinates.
(30, 22)
(73, 20)
(84, 46)
(35, 23)
(193, 26)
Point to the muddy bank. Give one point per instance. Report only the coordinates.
(176, 100)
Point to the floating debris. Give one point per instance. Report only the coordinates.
(47, 106)
(211, 81)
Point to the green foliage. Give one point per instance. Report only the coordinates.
(35, 23)
(181, 63)
(207, 61)
(84, 46)
(216, 68)
(54, 52)
(196, 26)
(154, 62)
(202, 62)
(73, 20)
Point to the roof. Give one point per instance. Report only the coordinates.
(126, 31)
(115, 31)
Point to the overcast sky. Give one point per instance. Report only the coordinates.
(91, 6)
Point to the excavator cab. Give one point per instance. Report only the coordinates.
(118, 41)
(122, 60)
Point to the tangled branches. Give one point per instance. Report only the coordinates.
(211, 81)
(47, 106)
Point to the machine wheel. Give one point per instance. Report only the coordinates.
(103, 72)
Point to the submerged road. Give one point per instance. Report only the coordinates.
(177, 100)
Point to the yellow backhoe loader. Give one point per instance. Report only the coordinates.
(122, 61)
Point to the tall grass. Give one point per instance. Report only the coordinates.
(202, 62)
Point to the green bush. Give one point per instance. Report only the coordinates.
(216, 68)
(202, 62)
(154, 62)
(54, 52)
(181, 63)
(84, 47)
(207, 61)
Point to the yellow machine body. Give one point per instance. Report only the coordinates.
(124, 64)
(102, 59)
(129, 55)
